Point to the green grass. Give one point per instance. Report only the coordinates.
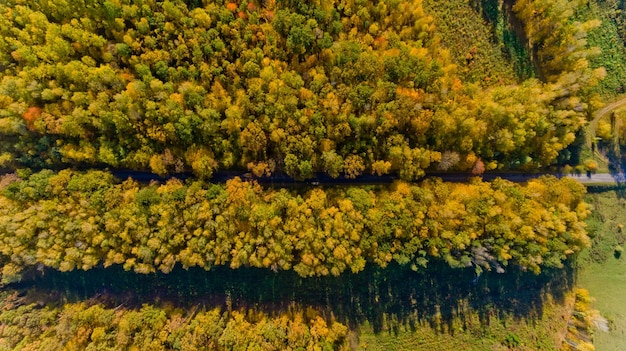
(504, 332)
(606, 37)
(603, 274)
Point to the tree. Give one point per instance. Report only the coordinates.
(353, 166)
(478, 168)
(254, 141)
(333, 163)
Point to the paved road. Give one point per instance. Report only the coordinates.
(367, 179)
(595, 179)
(324, 179)
(600, 178)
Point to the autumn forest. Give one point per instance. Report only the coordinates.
(258, 89)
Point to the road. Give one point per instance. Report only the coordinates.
(609, 108)
(595, 179)
(601, 113)
(600, 178)
(324, 179)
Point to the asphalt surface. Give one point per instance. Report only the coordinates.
(324, 179)
(282, 180)
(600, 178)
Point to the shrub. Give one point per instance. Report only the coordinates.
(512, 340)
(617, 252)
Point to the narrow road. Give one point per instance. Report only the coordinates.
(600, 178)
(601, 113)
(595, 179)
(324, 179)
(610, 108)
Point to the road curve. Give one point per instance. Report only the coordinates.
(609, 108)
(601, 113)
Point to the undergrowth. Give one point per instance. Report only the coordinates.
(504, 332)
(482, 44)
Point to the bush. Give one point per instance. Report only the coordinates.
(512, 340)
(617, 252)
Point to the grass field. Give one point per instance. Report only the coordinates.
(516, 310)
(601, 272)
(504, 332)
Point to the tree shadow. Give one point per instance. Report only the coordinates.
(386, 298)
(616, 156)
(617, 162)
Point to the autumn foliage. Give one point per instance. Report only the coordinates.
(71, 220)
(94, 326)
(30, 116)
(283, 83)
(343, 87)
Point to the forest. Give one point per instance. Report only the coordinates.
(262, 88)
(72, 221)
(343, 88)
(81, 326)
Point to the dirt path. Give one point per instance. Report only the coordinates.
(610, 107)
(621, 102)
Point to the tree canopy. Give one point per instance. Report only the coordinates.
(94, 326)
(73, 220)
(342, 87)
